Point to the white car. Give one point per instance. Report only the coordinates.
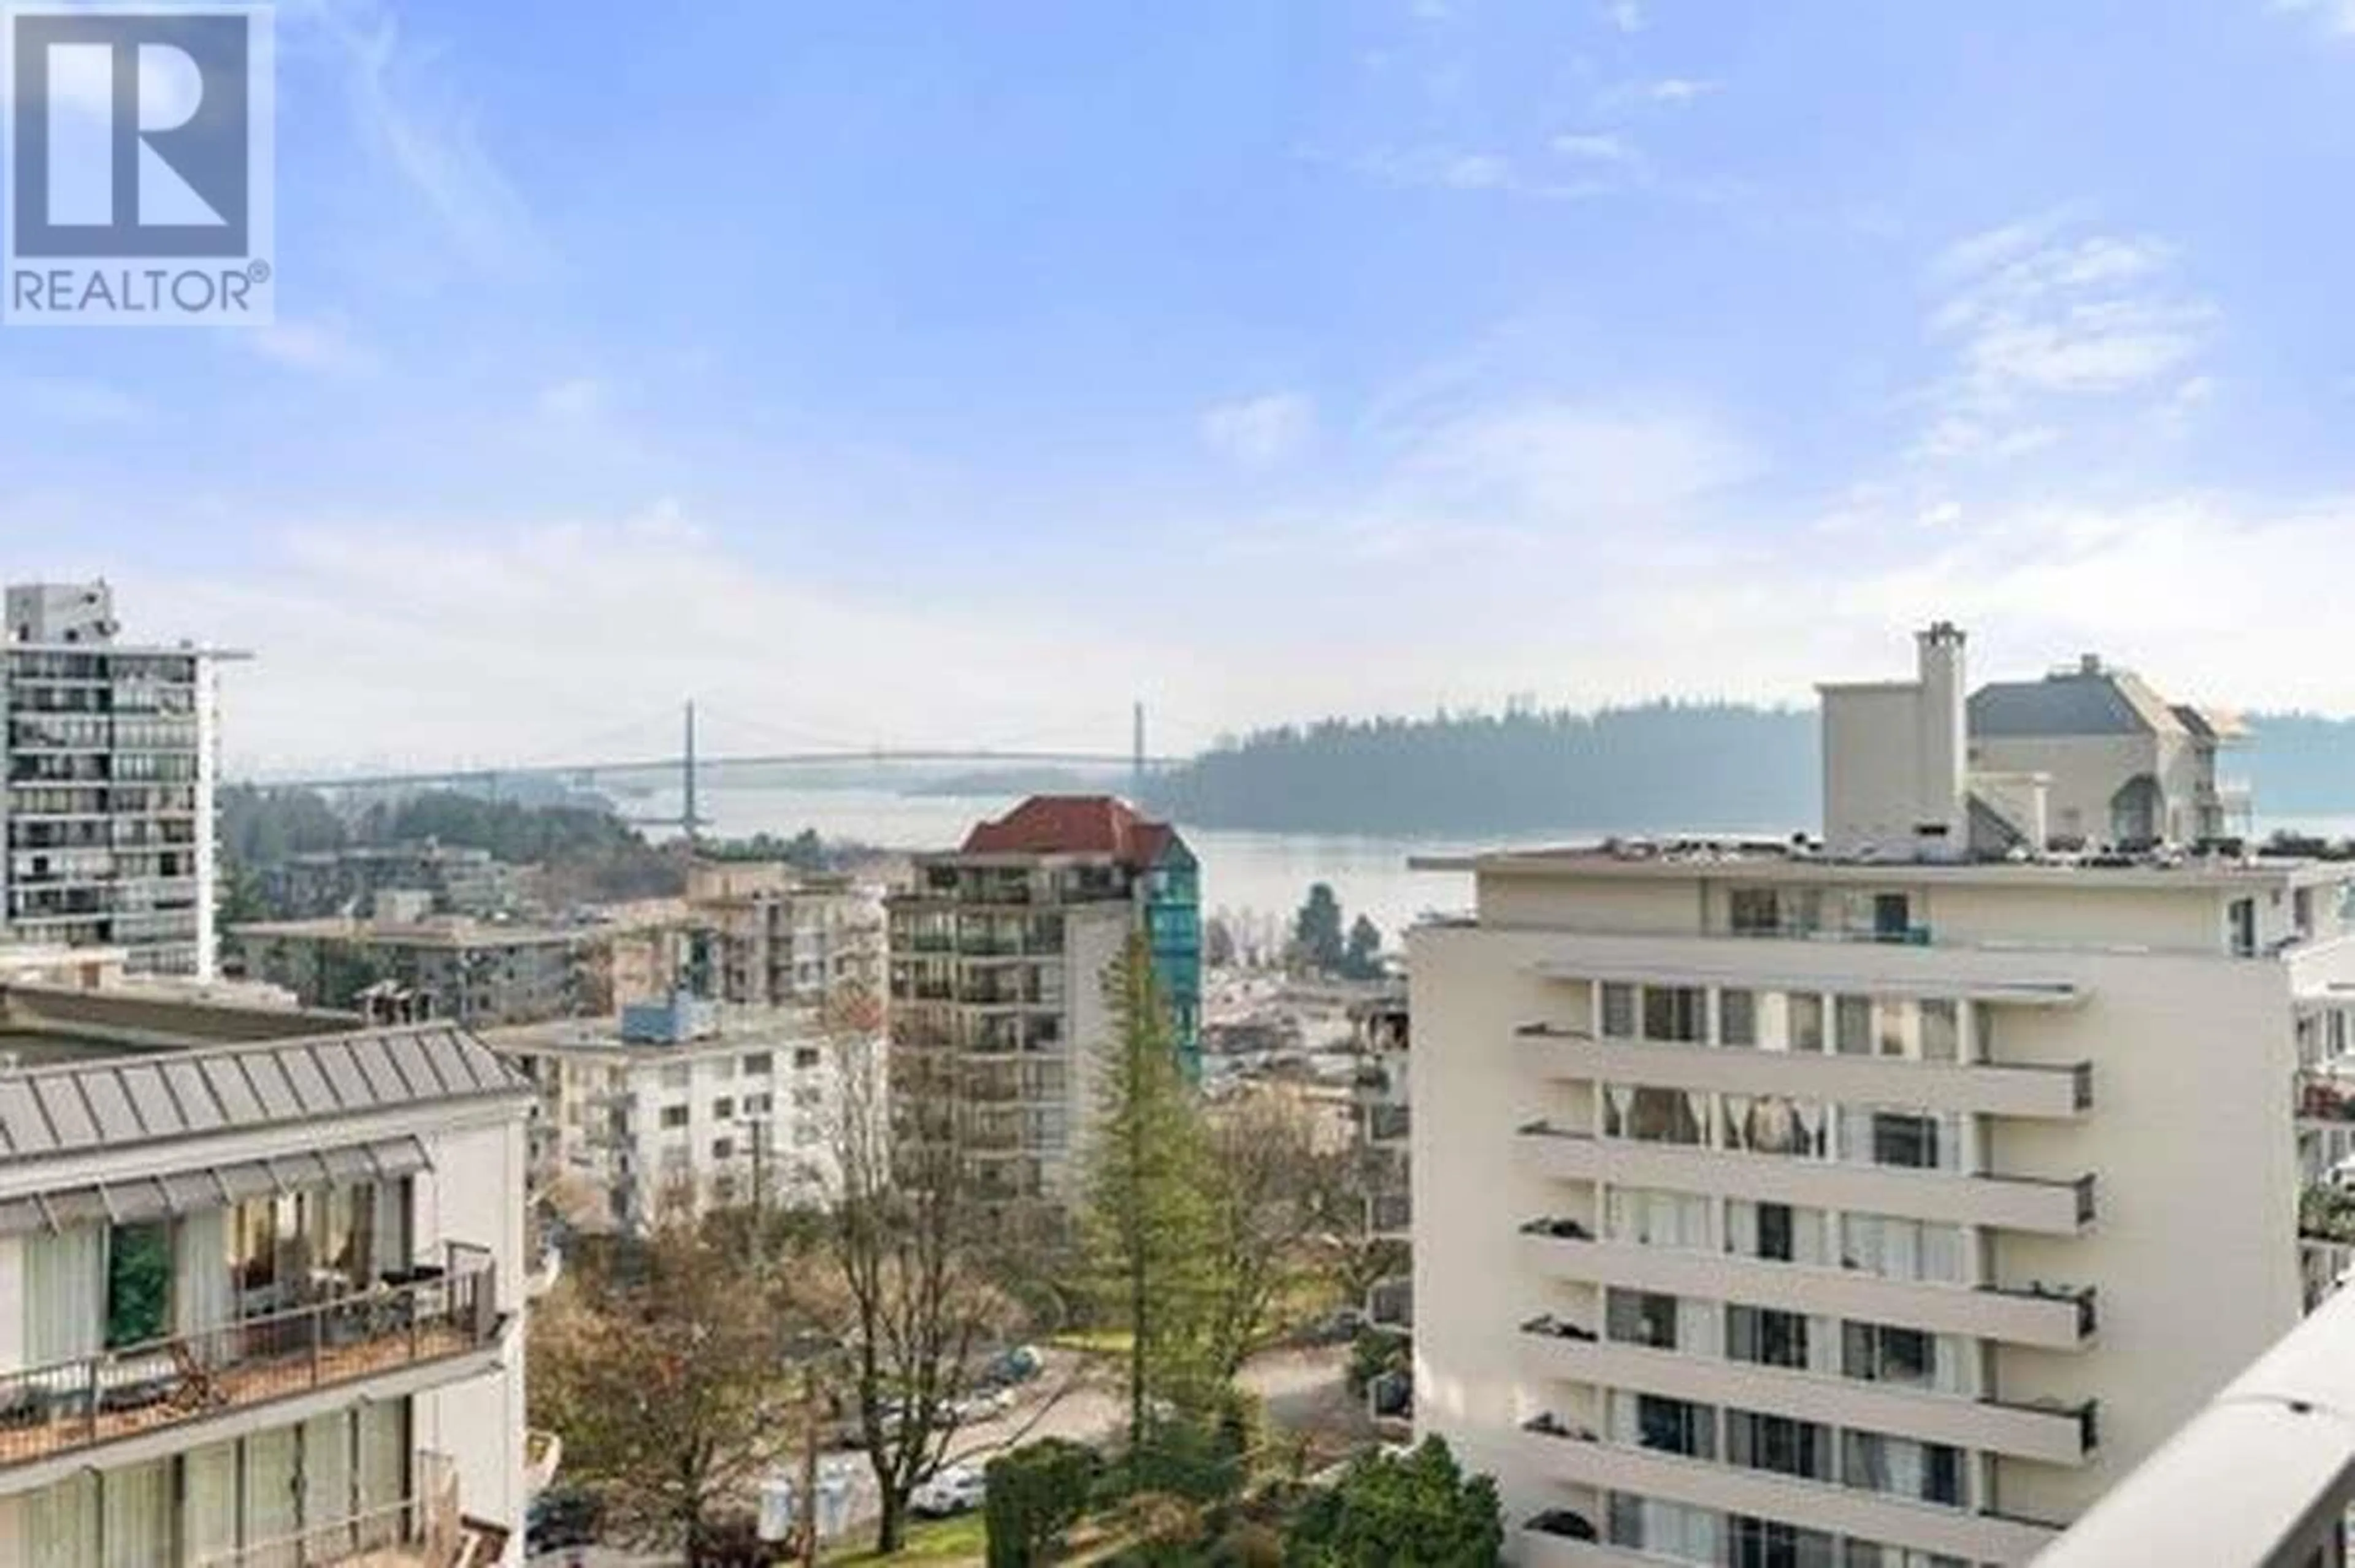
(958, 1489)
(984, 1406)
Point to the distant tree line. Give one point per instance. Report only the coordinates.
(1714, 765)
(1653, 767)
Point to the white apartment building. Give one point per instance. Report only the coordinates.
(261, 1302)
(112, 756)
(686, 1103)
(1782, 1208)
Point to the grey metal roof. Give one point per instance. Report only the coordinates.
(2091, 703)
(74, 1108)
(211, 1187)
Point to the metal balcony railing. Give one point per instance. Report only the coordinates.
(414, 1316)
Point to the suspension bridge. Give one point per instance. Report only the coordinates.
(692, 771)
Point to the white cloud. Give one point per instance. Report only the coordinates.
(2337, 15)
(1259, 431)
(1680, 89)
(1598, 147)
(324, 345)
(2043, 323)
(575, 399)
(409, 118)
(1627, 16)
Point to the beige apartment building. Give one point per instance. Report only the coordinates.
(1784, 1209)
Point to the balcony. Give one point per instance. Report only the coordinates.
(2048, 1433)
(1390, 1214)
(2325, 1099)
(2049, 1316)
(1581, 1459)
(2053, 1092)
(1388, 1123)
(411, 1320)
(2046, 1207)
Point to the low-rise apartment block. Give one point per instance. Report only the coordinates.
(454, 880)
(998, 958)
(260, 1290)
(478, 973)
(1878, 1202)
(111, 760)
(686, 1106)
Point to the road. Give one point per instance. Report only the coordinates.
(1082, 1399)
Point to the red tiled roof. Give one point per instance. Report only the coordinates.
(1071, 824)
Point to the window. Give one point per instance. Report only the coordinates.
(2241, 920)
(1872, 1555)
(1664, 1425)
(759, 1104)
(1753, 911)
(138, 1284)
(1653, 1115)
(1778, 1444)
(1674, 1532)
(1911, 1250)
(1852, 1018)
(1618, 1012)
(676, 1077)
(1769, 1123)
(1737, 1018)
(1911, 1140)
(723, 1109)
(1884, 1353)
(1769, 1543)
(1675, 1013)
(1641, 1318)
(1653, 1218)
(1765, 1337)
(723, 1148)
(1942, 1033)
(674, 1115)
(804, 1057)
(1775, 1232)
(1899, 1466)
(757, 1064)
(1892, 917)
(1807, 1021)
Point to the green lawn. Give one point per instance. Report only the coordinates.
(1093, 1341)
(960, 1540)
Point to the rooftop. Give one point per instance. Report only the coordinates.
(2090, 698)
(125, 1100)
(441, 931)
(736, 1028)
(1073, 825)
(1755, 860)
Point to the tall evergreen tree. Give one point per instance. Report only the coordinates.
(1148, 1217)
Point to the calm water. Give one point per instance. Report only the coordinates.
(1263, 873)
(1268, 873)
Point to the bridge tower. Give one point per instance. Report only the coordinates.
(687, 818)
(1136, 755)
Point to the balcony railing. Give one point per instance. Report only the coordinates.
(2322, 1097)
(426, 1530)
(417, 1315)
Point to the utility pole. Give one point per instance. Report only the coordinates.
(809, 1465)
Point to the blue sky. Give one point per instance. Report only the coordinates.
(959, 371)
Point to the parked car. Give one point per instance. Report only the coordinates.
(983, 1404)
(558, 1519)
(1017, 1365)
(957, 1488)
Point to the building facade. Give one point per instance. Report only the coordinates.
(112, 756)
(478, 973)
(685, 1106)
(456, 879)
(1777, 1206)
(774, 937)
(260, 1301)
(998, 958)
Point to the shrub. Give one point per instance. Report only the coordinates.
(1035, 1493)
